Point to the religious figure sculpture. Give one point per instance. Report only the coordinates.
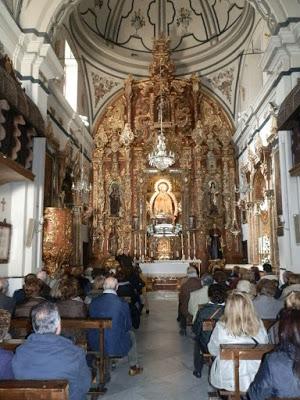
(213, 198)
(215, 243)
(114, 200)
(163, 202)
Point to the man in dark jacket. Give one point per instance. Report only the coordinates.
(213, 310)
(192, 283)
(47, 355)
(120, 339)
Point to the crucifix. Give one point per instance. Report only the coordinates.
(3, 202)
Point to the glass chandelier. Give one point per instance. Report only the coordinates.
(160, 158)
(82, 185)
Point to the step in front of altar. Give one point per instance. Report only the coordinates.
(166, 274)
(163, 283)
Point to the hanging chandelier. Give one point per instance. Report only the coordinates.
(160, 158)
(82, 185)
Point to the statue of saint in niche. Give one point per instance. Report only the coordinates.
(213, 198)
(163, 204)
(114, 199)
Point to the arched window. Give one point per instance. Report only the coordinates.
(71, 77)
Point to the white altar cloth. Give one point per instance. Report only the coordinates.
(167, 267)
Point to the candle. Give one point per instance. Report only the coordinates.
(140, 245)
(194, 244)
(189, 245)
(134, 241)
(145, 250)
(182, 252)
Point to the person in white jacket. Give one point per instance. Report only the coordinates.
(239, 324)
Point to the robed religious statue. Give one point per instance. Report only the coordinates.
(114, 199)
(163, 204)
(215, 243)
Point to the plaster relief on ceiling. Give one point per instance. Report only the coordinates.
(223, 81)
(101, 87)
(133, 24)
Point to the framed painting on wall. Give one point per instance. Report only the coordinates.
(5, 239)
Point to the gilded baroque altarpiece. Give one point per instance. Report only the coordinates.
(200, 184)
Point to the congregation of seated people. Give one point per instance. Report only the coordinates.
(51, 352)
(247, 306)
(218, 308)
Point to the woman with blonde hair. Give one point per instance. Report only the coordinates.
(238, 325)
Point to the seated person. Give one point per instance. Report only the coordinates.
(292, 302)
(246, 287)
(266, 306)
(192, 283)
(120, 339)
(32, 289)
(19, 294)
(47, 355)
(268, 272)
(200, 296)
(6, 302)
(238, 325)
(212, 310)
(69, 304)
(6, 356)
(97, 289)
(279, 373)
(293, 285)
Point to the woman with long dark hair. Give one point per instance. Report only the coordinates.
(279, 373)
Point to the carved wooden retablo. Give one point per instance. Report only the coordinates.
(129, 197)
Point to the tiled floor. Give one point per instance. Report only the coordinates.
(166, 358)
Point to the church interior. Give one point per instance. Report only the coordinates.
(163, 131)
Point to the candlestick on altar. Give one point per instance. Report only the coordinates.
(182, 249)
(194, 245)
(140, 245)
(134, 241)
(189, 244)
(145, 249)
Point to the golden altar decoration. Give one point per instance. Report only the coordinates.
(199, 132)
(57, 238)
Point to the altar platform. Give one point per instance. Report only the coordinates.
(166, 274)
(167, 268)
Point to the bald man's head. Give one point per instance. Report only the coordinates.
(110, 283)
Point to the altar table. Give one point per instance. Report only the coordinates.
(168, 267)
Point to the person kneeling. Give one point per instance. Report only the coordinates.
(119, 341)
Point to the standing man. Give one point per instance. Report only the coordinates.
(120, 339)
(47, 355)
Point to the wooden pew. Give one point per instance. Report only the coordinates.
(268, 323)
(34, 390)
(237, 352)
(84, 324)
(11, 344)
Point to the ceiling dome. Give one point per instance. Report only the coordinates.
(202, 33)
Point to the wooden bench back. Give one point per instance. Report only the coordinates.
(268, 323)
(237, 352)
(78, 323)
(34, 390)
